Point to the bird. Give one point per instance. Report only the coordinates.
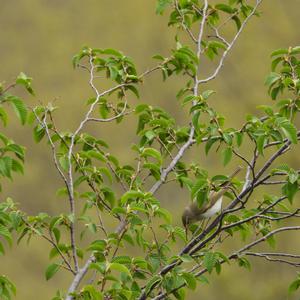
(193, 213)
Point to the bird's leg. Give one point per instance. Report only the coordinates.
(199, 228)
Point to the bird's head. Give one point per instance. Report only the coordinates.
(189, 215)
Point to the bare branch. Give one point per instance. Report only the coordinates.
(79, 276)
(225, 53)
(263, 238)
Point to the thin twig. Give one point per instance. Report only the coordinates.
(225, 53)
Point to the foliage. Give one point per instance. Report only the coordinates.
(96, 184)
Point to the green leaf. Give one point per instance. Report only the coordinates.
(97, 155)
(190, 280)
(165, 214)
(224, 7)
(227, 138)
(154, 281)
(64, 162)
(18, 150)
(206, 94)
(295, 50)
(227, 155)
(119, 267)
(275, 62)
(38, 133)
(134, 90)
(98, 245)
(19, 107)
(131, 195)
(272, 78)
(114, 52)
(244, 262)
(293, 176)
(199, 185)
(6, 164)
(6, 288)
(152, 153)
(180, 232)
(23, 79)
(209, 144)
(3, 116)
(51, 270)
(237, 22)
(93, 293)
(122, 259)
(260, 142)
(294, 285)
(2, 251)
(189, 98)
(4, 232)
(209, 261)
(239, 138)
(290, 190)
(289, 131)
(279, 52)
(17, 167)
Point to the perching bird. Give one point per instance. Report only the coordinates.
(192, 213)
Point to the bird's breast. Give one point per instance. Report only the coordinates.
(213, 210)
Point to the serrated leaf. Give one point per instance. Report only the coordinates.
(293, 176)
(5, 233)
(38, 133)
(209, 261)
(6, 165)
(119, 267)
(199, 185)
(122, 259)
(190, 280)
(93, 293)
(19, 107)
(289, 131)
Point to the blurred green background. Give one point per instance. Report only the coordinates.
(40, 37)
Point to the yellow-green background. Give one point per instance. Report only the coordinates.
(39, 37)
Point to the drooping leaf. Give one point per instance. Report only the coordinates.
(51, 270)
(19, 107)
